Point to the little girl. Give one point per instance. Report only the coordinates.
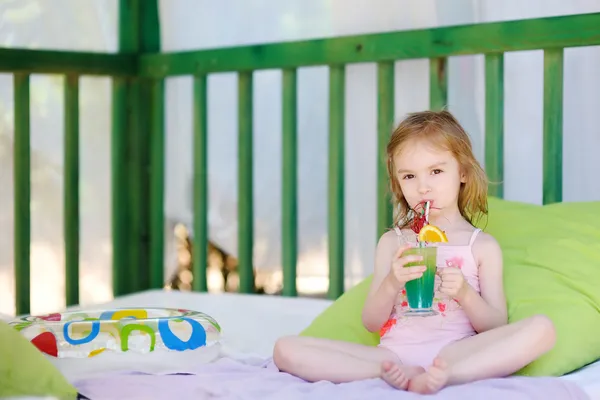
(430, 158)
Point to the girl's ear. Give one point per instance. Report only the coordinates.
(463, 178)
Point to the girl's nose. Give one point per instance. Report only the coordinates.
(424, 188)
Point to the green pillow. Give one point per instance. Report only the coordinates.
(551, 266)
(25, 371)
(342, 320)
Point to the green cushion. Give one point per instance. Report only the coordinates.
(25, 371)
(551, 267)
(342, 319)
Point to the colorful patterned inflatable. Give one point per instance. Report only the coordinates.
(81, 334)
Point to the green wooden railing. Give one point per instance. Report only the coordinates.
(138, 71)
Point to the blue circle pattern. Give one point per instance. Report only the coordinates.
(88, 338)
(197, 338)
(171, 341)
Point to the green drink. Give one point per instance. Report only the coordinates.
(419, 292)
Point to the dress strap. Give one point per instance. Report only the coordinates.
(398, 234)
(473, 236)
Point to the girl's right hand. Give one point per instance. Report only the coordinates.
(401, 274)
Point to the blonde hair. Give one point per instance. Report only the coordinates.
(441, 129)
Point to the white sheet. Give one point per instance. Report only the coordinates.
(588, 378)
(251, 324)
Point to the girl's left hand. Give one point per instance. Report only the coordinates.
(453, 282)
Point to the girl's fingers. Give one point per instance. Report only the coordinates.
(409, 259)
(401, 250)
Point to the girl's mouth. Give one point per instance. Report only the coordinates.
(423, 203)
(420, 207)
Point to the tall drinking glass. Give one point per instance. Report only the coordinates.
(419, 292)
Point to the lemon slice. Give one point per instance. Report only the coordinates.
(432, 234)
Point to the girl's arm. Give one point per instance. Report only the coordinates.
(389, 277)
(384, 287)
(488, 310)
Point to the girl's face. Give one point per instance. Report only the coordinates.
(427, 173)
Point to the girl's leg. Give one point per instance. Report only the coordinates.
(314, 359)
(496, 353)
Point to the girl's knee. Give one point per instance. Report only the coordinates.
(283, 352)
(542, 322)
(544, 328)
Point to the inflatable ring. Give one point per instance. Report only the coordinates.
(81, 334)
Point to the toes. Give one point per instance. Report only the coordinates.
(393, 370)
(439, 363)
(429, 382)
(402, 384)
(397, 376)
(436, 374)
(386, 366)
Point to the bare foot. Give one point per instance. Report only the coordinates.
(431, 381)
(398, 376)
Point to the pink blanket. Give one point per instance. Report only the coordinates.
(231, 379)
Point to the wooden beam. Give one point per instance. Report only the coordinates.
(531, 34)
(69, 62)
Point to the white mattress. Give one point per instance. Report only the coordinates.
(251, 324)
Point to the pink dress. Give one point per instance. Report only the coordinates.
(418, 340)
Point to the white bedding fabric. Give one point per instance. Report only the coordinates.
(250, 324)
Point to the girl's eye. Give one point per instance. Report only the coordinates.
(408, 176)
(437, 171)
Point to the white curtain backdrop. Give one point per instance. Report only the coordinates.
(197, 24)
